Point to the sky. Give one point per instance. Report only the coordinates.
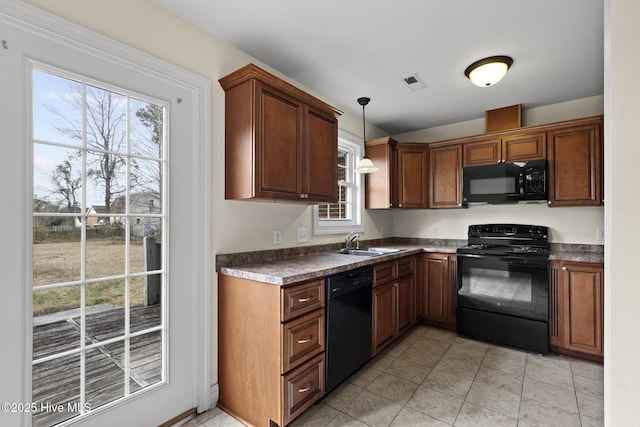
(55, 105)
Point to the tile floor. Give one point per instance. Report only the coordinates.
(432, 377)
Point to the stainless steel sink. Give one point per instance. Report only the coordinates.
(369, 251)
(386, 250)
(361, 252)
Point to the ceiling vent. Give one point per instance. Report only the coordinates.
(414, 82)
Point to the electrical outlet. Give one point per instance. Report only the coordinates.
(277, 237)
(382, 230)
(301, 235)
(600, 233)
(434, 231)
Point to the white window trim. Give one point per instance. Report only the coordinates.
(356, 223)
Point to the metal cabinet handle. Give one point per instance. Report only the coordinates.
(304, 299)
(564, 268)
(305, 340)
(304, 389)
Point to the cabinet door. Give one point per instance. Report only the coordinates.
(521, 148)
(482, 153)
(278, 151)
(583, 307)
(383, 313)
(381, 187)
(405, 303)
(436, 291)
(445, 183)
(321, 151)
(575, 166)
(412, 175)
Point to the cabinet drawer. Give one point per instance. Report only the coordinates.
(405, 266)
(302, 387)
(383, 273)
(301, 339)
(301, 299)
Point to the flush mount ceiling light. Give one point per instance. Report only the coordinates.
(365, 165)
(488, 71)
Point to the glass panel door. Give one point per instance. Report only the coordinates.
(98, 245)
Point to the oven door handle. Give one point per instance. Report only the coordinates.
(508, 259)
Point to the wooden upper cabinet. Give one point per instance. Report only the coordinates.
(485, 152)
(519, 147)
(524, 147)
(445, 183)
(412, 175)
(321, 156)
(575, 166)
(280, 142)
(279, 128)
(381, 187)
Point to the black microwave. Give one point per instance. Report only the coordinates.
(522, 182)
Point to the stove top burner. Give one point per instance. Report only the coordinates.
(507, 240)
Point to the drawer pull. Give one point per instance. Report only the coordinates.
(305, 340)
(304, 299)
(304, 389)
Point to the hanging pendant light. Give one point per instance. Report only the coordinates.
(488, 71)
(365, 165)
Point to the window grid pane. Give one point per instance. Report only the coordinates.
(98, 217)
(339, 210)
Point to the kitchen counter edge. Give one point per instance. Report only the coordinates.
(297, 269)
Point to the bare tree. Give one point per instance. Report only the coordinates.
(65, 185)
(105, 135)
(146, 176)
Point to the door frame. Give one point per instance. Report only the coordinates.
(68, 34)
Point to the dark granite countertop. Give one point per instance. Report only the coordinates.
(576, 253)
(292, 265)
(263, 267)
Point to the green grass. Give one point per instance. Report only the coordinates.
(59, 262)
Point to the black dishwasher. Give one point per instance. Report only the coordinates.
(348, 329)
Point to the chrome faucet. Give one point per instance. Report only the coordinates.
(351, 239)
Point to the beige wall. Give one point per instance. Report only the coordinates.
(575, 109)
(622, 151)
(567, 224)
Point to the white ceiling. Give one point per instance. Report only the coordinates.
(345, 49)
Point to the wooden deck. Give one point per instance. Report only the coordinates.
(57, 382)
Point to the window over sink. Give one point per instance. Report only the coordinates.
(346, 214)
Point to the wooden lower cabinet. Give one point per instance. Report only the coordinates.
(577, 309)
(271, 349)
(439, 289)
(383, 328)
(393, 301)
